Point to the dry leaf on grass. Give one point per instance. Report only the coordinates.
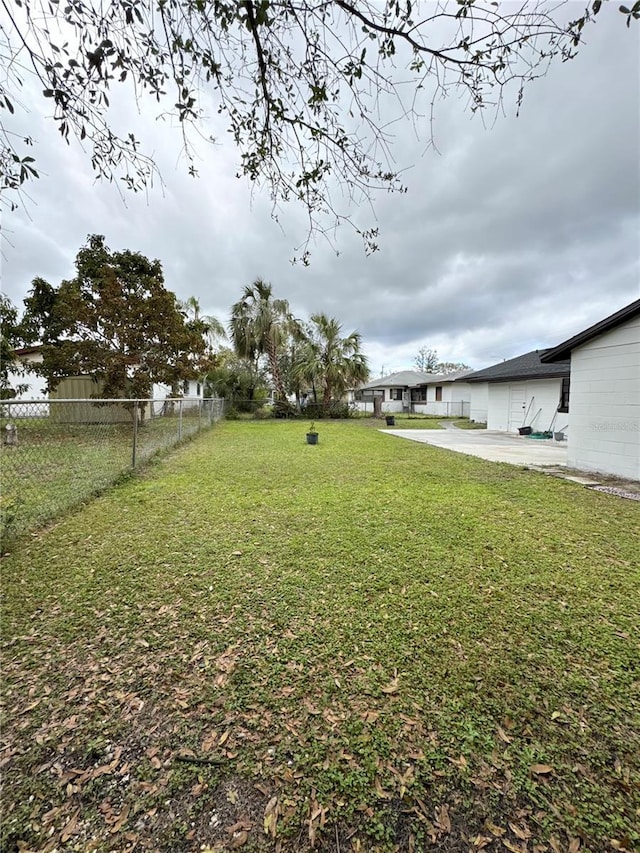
(71, 827)
(392, 687)
(271, 817)
(541, 769)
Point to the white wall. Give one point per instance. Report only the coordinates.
(452, 392)
(479, 402)
(508, 403)
(460, 392)
(604, 403)
(443, 409)
(37, 389)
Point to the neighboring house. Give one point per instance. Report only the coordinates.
(446, 394)
(604, 420)
(522, 391)
(37, 386)
(393, 391)
(413, 391)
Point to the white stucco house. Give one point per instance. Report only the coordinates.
(446, 394)
(36, 385)
(522, 391)
(604, 416)
(393, 392)
(411, 391)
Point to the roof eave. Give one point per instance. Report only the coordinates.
(563, 350)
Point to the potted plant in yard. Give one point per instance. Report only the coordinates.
(312, 434)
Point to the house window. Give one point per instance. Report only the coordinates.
(185, 386)
(563, 405)
(367, 395)
(419, 395)
(395, 394)
(438, 393)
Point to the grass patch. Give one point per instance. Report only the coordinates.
(56, 466)
(406, 422)
(367, 644)
(465, 423)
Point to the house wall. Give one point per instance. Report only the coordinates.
(444, 409)
(454, 394)
(460, 392)
(390, 406)
(37, 384)
(387, 405)
(479, 405)
(604, 403)
(508, 403)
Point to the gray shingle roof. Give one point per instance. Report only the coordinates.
(438, 378)
(527, 366)
(413, 378)
(405, 378)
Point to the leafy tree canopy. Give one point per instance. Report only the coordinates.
(426, 360)
(330, 361)
(115, 321)
(240, 380)
(261, 325)
(309, 90)
(10, 339)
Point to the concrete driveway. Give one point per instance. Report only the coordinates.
(492, 445)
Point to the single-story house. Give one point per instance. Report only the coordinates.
(414, 391)
(393, 392)
(604, 419)
(446, 394)
(522, 391)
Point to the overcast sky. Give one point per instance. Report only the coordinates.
(513, 237)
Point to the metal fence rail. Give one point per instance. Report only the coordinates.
(57, 453)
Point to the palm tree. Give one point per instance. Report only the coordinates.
(214, 330)
(331, 361)
(261, 325)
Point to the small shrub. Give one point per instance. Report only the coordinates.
(318, 411)
(263, 413)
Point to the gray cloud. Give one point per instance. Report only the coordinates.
(513, 237)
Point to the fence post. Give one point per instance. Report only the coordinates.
(180, 419)
(135, 434)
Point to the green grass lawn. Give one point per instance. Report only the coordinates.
(58, 465)
(366, 645)
(408, 422)
(465, 423)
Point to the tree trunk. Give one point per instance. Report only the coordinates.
(281, 394)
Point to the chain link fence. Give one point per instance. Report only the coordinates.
(57, 453)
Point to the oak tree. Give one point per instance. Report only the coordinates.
(116, 322)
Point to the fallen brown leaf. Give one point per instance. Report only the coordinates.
(71, 827)
(238, 840)
(122, 819)
(541, 769)
(443, 821)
